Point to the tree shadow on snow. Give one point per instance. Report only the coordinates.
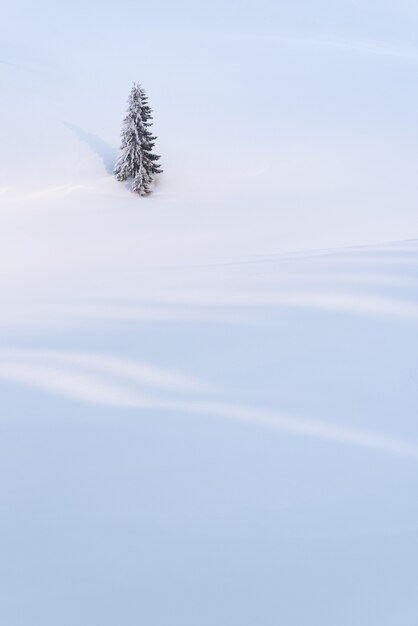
(104, 150)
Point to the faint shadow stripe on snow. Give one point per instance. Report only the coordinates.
(96, 389)
(305, 427)
(349, 303)
(344, 302)
(163, 310)
(83, 387)
(238, 307)
(119, 368)
(361, 46)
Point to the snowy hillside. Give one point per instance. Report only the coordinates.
(209, 396)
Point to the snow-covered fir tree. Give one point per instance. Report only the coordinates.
(136, 159)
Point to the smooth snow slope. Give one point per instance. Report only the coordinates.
(209, 396)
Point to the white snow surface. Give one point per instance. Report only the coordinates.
(208, 396)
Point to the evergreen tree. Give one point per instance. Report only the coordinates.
(136, 158)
